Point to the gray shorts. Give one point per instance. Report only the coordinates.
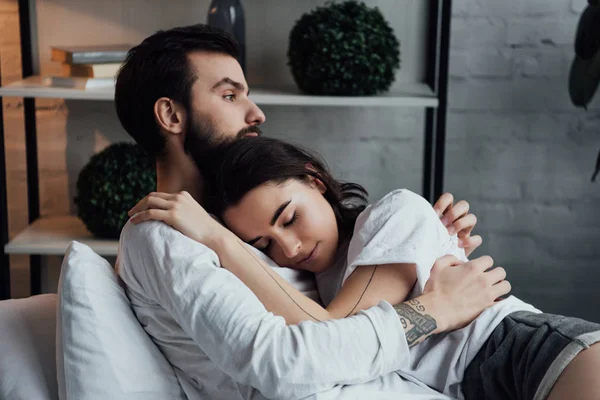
(525, 355)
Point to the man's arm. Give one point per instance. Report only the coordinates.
(234, 329)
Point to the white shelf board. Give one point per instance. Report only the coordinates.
(408, 95)
(31, 87)
(52, 236)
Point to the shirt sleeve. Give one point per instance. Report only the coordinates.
(233, 328)
(401, 228)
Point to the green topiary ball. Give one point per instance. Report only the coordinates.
(110, 184)
(343, 49)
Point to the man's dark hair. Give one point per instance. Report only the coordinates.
(159, 67)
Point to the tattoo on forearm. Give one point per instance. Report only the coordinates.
(417, 325)
(403, 322)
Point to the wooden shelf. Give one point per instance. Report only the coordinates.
(408, 95)
(52, 236)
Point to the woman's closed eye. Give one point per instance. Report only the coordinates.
(285, 225)
(292, 220)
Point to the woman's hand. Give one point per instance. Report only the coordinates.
(181, 212)
(457, 219)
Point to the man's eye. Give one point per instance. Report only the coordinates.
(230, 97)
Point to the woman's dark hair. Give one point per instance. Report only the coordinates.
(245, 164)
(159, 67)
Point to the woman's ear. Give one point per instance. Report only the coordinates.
(320, 185)
(169, 116)
(317, 183)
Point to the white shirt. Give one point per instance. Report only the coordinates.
(223, 343)
(403, 228)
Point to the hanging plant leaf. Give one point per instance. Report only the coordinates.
(584, 78)
(587, 38)
(597, 170)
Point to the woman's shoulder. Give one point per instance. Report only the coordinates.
(396, 202)
(399, 228)
(401, 197)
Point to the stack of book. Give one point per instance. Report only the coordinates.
(87, 67)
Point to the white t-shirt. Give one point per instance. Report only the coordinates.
(224, 344)
(403, 228)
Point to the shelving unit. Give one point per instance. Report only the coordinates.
(409, 95)
(52, 235)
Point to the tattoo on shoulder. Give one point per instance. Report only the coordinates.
(417, 325)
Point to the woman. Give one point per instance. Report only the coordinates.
(283, 201)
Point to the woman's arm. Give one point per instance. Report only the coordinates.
(278, 295)
(420, 317)
(368, 285)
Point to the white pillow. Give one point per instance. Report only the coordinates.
(102, 350)
(27, 353)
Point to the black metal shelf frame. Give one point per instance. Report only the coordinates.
(438, 49)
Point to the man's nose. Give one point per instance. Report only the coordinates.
(255, 115)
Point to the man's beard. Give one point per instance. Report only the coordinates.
(205, 144)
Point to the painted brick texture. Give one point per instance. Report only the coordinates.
(521, 153)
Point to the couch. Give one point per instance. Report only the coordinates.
(82, 343)
(27, 348)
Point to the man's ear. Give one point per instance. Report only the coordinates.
(170, 116)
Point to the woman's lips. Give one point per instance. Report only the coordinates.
(311, 257)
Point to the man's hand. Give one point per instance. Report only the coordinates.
(463, 291)
(457, 219)
(455, 294)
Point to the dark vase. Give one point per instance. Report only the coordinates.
(229, 16)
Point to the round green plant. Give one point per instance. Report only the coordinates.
(343, 49)
(110, 184)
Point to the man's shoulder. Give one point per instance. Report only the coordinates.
(159, 240)
(139, 243)
(145, 233)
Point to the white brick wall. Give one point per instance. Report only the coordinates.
(521, 153)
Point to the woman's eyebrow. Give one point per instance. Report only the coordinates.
(279, 211)
(273, 220)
